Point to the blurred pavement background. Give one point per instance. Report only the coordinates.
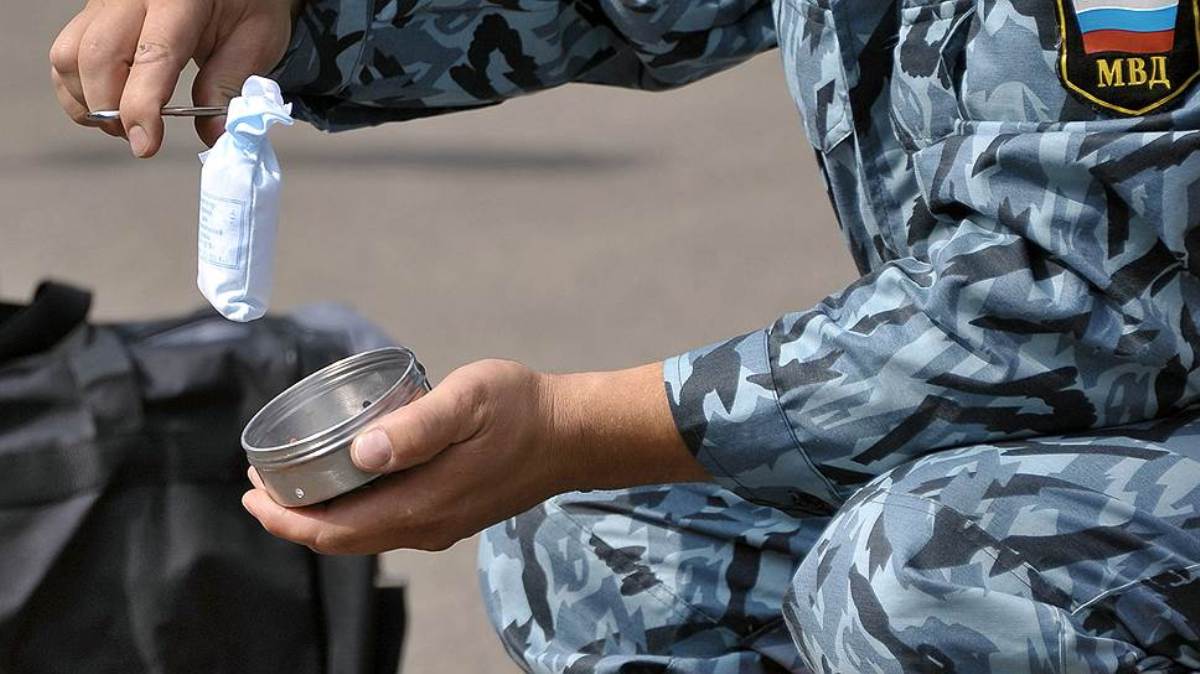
(584, 228)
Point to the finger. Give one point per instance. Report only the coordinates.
(280, 521)
(72, 106)
(389, 515)
(406, 510)
(253, 48)
(105, 54)
(254, 478)
(313, 526)
(415, 509)
(64, 62)
(168, 40)
(416, 432)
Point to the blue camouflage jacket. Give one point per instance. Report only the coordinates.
(1016, 183)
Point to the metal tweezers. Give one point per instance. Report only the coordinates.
(169, 111)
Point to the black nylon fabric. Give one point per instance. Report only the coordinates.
(54, 312)
(123, 543)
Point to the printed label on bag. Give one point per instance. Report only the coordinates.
(223, 231)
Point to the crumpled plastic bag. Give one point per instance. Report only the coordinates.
(239, 204)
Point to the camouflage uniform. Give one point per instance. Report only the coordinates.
(1027, 261)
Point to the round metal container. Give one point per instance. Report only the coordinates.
(300, 442)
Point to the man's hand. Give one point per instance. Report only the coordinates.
(127, 55)
(491, 441)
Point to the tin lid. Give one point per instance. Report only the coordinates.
(325, 410)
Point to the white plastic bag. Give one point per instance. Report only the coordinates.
(239, 205)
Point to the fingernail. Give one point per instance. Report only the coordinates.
(372, 450)
(139, 141)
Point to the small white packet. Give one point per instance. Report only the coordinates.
(239, 204)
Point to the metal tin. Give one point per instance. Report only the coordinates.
(300, 442)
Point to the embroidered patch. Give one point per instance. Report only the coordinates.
(1129, 57)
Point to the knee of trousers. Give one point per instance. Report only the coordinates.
(902, 583)
(854, 605)
(1045, 556)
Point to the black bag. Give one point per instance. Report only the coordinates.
(123, 543)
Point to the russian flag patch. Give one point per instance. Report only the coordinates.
(1129, 57)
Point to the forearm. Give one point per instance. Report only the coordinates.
(618, 428)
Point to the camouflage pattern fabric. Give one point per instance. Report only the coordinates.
(358, 62)
(1029, 269)
(1069, 554)
(680, 578)
(1054, 555)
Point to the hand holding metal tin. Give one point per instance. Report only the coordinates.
(299, 443)
(492, 440)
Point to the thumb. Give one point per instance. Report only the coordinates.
(414, 433)
(254, 47)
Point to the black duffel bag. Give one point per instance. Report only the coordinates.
(123, 543)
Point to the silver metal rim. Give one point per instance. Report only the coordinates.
(410, 384)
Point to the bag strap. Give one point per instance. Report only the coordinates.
(56, 310)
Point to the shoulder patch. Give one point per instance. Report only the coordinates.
(1128, 57)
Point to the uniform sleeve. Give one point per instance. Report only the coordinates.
(1055, 291)
(359, 62)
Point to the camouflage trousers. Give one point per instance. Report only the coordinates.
(1064, 554)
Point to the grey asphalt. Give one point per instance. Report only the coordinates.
(579, 229)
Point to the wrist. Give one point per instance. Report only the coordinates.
(609, 430)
